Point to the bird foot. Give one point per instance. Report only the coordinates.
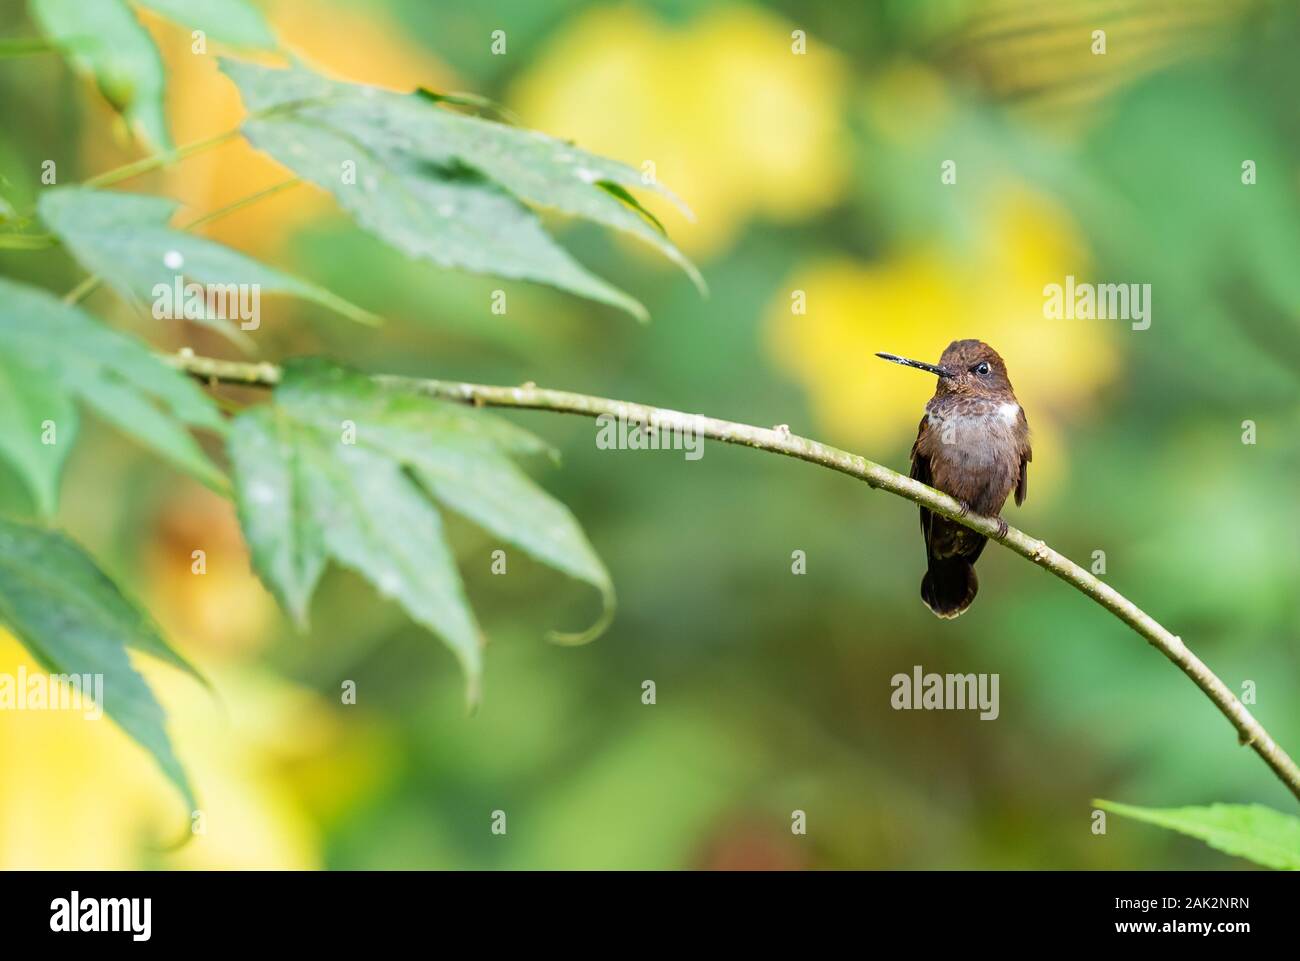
(1003, 527)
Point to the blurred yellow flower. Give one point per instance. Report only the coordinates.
(733, 120)
(916, 302)
(201, 588)
(78, 793)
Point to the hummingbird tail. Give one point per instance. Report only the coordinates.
(949, 586)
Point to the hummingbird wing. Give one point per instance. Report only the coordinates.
(1022, 485)
(921, 472)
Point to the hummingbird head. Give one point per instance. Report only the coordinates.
(968, 367)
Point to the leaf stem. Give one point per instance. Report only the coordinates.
(83, 290)
(12, 47)
(27, 241)
(779, 440)
(241, 203)
(155, 161)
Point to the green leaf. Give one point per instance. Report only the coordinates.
(443, 186)
(380, 524)
(473, 101)
(305, 496)
(534, 167)
(103, 39)
(1251, 831)
(30, 398)
(455, 221)
(489, 490)
(74, 620)
(306, 493)
(116, 375)
(125, 239)
(236, 22)
(271, 490)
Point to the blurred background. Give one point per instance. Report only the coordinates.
(816, 173)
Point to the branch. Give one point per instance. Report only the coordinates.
(780, 441)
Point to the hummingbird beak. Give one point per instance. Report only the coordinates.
(919, 365)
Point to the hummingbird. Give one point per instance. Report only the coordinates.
(973, 444)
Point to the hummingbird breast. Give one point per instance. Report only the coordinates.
(974, 446)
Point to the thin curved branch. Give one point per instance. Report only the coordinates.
(780, 441)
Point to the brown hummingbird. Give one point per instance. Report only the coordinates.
(973, 444)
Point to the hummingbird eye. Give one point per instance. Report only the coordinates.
(981, 368)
